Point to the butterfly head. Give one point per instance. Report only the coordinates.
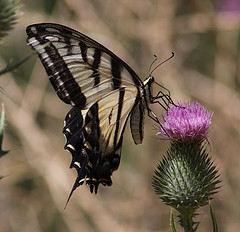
(149, 81)
(147, 86)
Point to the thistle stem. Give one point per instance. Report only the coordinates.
(186, 220)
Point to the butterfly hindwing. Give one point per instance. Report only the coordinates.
(100, 137)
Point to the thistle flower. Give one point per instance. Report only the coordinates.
(186, 123)
(186, 178)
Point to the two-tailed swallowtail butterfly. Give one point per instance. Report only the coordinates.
(103, 92)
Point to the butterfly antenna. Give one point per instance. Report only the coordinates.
(155, 59)
(160, 63)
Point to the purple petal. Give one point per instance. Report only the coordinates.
(186, 122)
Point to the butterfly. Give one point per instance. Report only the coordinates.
(103, 92)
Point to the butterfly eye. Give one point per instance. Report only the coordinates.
(151, 79)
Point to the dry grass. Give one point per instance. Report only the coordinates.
(205, 68)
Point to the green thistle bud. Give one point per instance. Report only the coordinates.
(8, 11)
(186, 177)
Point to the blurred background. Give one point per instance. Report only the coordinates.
(205, 37)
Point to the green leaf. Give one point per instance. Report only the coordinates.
(214, 222)
(172, 225)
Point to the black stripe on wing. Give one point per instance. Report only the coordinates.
(96, 62)
(83, 49)
(116, 69)
(119, 114)
(61, 78)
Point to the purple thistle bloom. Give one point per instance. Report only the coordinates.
(186, 178)
(186, 123)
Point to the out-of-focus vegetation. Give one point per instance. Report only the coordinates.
(205, 38)
(8, 12)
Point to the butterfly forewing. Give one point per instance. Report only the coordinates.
(81, 70)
